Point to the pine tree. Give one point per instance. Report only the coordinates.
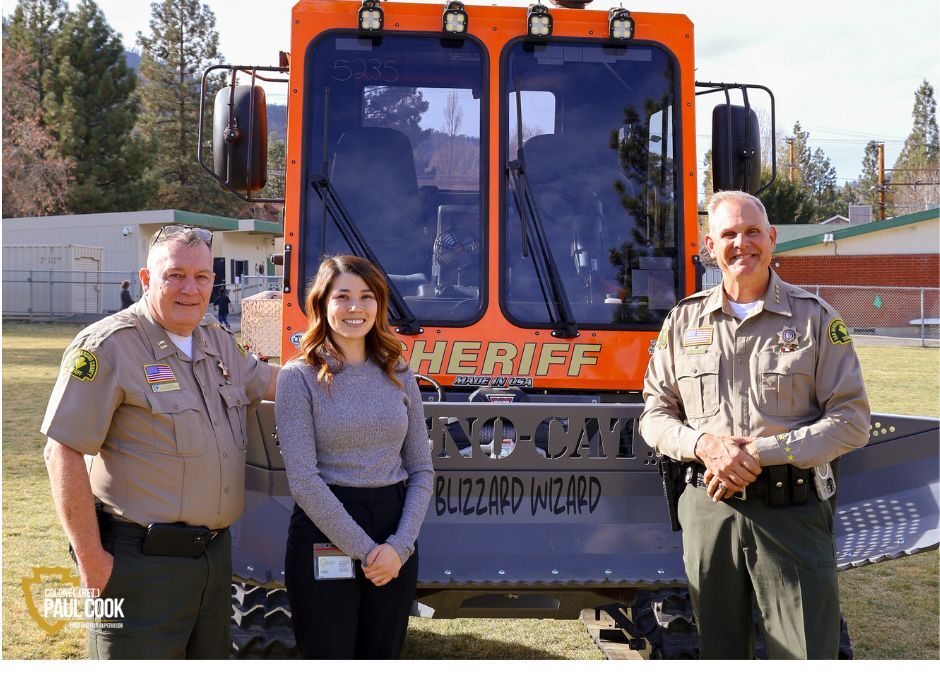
(181, 44)
(35, 176)
(30, 34)
(917, 170)
(816, 175)
(788, 202)
(90, 108)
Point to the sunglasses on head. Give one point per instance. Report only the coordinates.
(200, 233)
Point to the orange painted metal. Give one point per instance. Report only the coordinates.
(602, 360)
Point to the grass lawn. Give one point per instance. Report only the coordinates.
(891, 608)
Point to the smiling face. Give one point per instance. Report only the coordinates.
(741, 244)
(351, 307)
(178, 282)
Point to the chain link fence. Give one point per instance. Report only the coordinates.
(64, 294)
(75, 295)
(887, 315)
(883, 315)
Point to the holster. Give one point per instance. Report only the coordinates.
(672, 473)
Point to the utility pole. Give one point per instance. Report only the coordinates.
(881, 182)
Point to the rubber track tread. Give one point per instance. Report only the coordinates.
(261, 623)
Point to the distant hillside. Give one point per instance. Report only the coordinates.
(277, 114)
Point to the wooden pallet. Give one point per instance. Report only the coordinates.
(609, 638)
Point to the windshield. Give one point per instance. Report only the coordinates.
(403, 120)
(599, 133)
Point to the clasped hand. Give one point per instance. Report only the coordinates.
(382, 564)
(731, 463)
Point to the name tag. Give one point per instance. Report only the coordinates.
(329, 563)
(168, 386)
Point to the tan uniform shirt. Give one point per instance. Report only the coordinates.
(168, 432)
(787, 374)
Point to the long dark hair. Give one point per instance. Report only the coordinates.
(381, 344)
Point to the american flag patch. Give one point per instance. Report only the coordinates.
(697, 336)
(159, 373)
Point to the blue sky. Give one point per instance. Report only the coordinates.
(846, 70)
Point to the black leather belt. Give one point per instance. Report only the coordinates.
(162, 539)
(777, 485)
(128, 527)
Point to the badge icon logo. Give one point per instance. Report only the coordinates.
(84, 365)
(838, 333)
(35, 587)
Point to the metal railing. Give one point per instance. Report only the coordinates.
(57, 294)
(249, 285)
(86, 294)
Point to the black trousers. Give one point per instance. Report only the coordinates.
(174, 607)
(350, 618)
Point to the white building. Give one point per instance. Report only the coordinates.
(240, 247)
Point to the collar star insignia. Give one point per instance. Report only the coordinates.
(788, 338)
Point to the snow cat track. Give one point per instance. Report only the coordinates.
(660, 624)
(261, 622)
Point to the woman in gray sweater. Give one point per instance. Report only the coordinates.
(354, 442)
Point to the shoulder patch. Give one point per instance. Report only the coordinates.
(83, 365)
(662, 341)
(838, 333)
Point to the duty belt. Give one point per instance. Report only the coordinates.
(161, 539)
(778, 485)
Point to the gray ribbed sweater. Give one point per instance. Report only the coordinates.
(365, 432)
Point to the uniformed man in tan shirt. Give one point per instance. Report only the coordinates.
(756, 385)
(158, 393)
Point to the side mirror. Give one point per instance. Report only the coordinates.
(735, 149)
(240, 137)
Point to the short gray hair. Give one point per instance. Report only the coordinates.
(189, 236)
(736, 196)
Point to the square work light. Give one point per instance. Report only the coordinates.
(455, 20)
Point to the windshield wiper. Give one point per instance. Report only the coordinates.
(403, 317)
(534, 238)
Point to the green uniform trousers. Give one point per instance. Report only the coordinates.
(174, 607)
(784, 557)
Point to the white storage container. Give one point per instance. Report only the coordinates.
(51, 280)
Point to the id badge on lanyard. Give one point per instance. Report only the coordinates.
(329, 563)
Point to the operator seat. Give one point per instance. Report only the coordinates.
(562, 171)
(373, 171)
